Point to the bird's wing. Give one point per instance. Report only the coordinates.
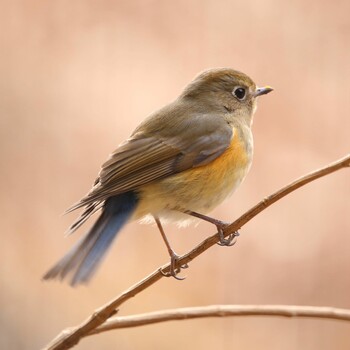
(148, 157)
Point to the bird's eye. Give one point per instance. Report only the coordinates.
(239, 92)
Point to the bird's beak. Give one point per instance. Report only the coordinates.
(262, 91)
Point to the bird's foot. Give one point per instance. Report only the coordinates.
(220, 225)
(231, 238)
(174, 271)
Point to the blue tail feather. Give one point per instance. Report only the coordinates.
(83, 259)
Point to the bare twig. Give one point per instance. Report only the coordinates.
(69, 337)
(223, 311)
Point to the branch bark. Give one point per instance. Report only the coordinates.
(70, 337)
(223, 311)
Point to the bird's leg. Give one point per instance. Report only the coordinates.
(220, 225)
(173, 256)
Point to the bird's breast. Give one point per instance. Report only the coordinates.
(198, 189)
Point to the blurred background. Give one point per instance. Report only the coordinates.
(78, 76)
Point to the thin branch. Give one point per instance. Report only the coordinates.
(70, 337)
(223, 311)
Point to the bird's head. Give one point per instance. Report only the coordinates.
(225, 89)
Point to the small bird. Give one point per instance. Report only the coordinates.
(179, 164)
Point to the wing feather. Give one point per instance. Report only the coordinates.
(148, 157)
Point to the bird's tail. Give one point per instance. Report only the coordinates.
(82, 260)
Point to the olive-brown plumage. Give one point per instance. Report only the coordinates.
(186, 157)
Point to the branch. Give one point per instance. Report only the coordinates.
(70, 337)
(223, 311)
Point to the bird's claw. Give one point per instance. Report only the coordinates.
(229, 241)
(174, 271)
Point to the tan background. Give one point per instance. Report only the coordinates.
(76, 77)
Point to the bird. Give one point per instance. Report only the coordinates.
(179, 164)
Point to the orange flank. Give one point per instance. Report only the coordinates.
(199, 189)
(233, 160)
